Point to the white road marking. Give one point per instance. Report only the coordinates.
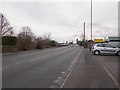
(53, 87)
(63, 72)
(20, 62)
(112, 77)
(42, 57)
(37, 50)
(13, 64)
(58, 80)
(35, 59)
(70, 70)
(5, 53)
(5, 68)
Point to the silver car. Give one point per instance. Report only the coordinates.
(105, 48)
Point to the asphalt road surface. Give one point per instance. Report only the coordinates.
(93, 71)
(110, 62)
(65, 67)
(38, 69)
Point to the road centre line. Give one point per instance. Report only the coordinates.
(37, 50)
(13, 65)
(19, 62)
(5, 68)
(34, 59)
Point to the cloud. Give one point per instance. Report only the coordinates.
(63, 19)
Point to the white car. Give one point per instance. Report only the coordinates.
(102, 48)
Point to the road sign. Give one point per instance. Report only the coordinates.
(99, 40)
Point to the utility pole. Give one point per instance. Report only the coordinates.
(1, 27)
(91, 27)
(84, 31)
(84, 41)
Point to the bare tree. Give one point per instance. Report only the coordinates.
(39, 42)
(47, 35)
(5, 28)
(25, 38)
(46, 39)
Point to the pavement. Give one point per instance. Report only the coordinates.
(90, 73)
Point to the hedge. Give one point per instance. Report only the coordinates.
(9, 40)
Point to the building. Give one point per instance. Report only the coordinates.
(113, 40)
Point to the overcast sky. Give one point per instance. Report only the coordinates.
(64, 20)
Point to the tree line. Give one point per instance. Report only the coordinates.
(24, 40)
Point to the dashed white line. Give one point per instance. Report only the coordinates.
(53, 87)
(12, 65)
(58, 80)
(63, 72)
(5, 68)
(20, 62)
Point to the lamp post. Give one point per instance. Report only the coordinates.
(91, 27)
(1, 27)
(84, 41)
(84, 31)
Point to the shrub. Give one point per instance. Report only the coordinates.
(9, 40)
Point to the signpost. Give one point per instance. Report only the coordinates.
(99, 40)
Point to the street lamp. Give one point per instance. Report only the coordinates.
(1, 27)
(84, 31)
(91, 27)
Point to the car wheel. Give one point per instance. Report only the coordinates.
(118, 53)
(97, 52)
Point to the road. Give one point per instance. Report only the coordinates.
(65, 67)
(38, 69)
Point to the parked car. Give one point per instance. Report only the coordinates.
(105, 48)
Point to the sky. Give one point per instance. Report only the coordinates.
(62, 18)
